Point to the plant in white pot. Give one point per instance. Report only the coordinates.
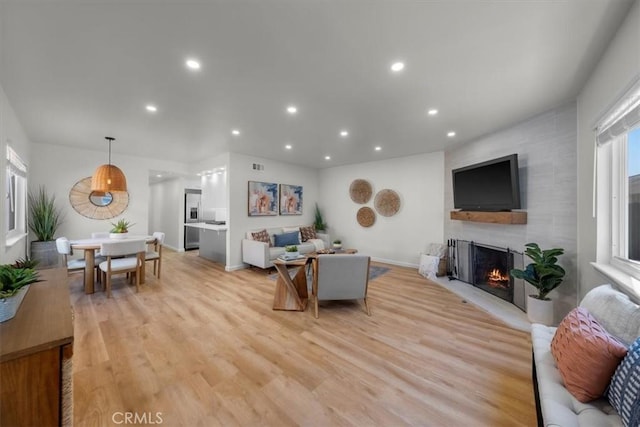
(120, 229)
(44, 220)
(545, 275)
(337, 244)
(14, 284)
(291, 252)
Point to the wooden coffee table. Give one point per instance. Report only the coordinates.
(291, 294)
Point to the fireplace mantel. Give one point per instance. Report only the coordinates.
(515, 217)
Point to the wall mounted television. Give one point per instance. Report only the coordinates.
(493, 185)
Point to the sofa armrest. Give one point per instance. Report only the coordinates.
(255, 253)
(325, 238)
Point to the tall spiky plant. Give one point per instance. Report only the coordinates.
(44, 216)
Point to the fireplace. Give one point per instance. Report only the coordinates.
(487, 267)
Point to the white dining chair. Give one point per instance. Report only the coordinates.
(155, 255)
(64, 248)
(118, 262)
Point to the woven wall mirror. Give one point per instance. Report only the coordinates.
(97, 205)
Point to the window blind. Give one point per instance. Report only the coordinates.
(622, 117)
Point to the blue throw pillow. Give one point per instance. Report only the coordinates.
(624, 390)
(285, 239)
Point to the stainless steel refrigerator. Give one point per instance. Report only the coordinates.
(192, 212)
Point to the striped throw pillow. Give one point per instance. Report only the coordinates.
(624, 391)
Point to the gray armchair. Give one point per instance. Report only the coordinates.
(341, 277)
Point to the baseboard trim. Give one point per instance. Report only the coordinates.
(394, 262)
(236, 267)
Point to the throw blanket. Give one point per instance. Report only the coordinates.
(428, 266)
(318, 243)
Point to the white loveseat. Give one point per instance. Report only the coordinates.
(557, 407)
(260, 254)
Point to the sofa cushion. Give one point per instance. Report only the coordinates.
(285, 239)
(615, 311)
(624, 391)
(558, 406)
(308, 233)
(586, 354)
(261, 236)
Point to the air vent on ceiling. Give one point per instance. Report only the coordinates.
(258, 167)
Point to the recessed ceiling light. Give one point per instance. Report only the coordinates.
(199, 174)
(396, 67)
(288, 146)
(292, 109)
(327, 157)
(193, 64)
(344, 133)
(158, 176)
(451, 134)
(432, 112)
(378, 148)
(151, 108)
(235, 132)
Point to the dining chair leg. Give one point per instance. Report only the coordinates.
(366, 307)
(159, 267)
(108, 281)
(316, 306)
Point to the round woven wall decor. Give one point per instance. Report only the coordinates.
(360, 191)
(366, 216)
(94, 205)
(387, 202)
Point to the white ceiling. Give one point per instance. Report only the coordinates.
(77, 71)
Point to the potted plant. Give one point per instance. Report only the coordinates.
(291, 252)
(120, 229)
(337, 244)
(545, 275)
(14, 284)
(318, 222)
(44, 220)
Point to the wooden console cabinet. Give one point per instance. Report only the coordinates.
(35, 347)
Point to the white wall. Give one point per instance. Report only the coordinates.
(548, 181)
(11, 133)
(240, 172)
(166, 211)
(58, 168)
(398, 239)
(616, 69)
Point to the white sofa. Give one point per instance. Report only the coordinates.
(556, 406)
(259, 254)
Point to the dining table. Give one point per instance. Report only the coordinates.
(91, 245)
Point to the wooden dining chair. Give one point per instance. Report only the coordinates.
(118, 262)
(341, 277)
(155, 255)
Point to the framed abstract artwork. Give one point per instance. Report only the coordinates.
(263, 198)
(290, 199)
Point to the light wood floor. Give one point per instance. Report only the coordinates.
(204, 348)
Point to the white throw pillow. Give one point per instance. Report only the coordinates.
(428, 266)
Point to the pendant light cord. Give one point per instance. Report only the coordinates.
(110, 139)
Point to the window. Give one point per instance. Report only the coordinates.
(618, 187)
(633, 195)
(16, 197)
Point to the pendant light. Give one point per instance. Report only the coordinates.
(108, 178)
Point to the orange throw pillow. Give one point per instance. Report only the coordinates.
(586, 355)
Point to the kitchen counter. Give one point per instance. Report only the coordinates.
(213, 241)
(205, 226)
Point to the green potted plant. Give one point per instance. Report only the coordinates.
(120, 229)
(14, 284)
(291, 252)
(545, 275)
(44, 220)
(318, 222)
(337, 244)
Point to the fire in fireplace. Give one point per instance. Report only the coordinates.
(487, 267)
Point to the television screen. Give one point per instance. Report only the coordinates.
(488, 186)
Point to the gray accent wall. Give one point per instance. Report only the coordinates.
(546, 148)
